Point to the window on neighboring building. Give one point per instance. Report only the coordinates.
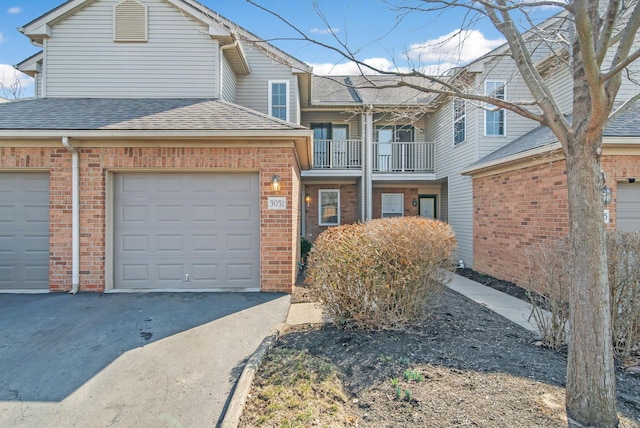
(329, 207)
(279, 99)
(392, 205)
(459, 121)
(494, 121)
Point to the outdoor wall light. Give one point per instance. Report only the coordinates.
(275, 183)
(606, 195)
(307, 199)
(414, 202)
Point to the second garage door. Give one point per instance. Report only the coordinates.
(628, 207)
(187, 231)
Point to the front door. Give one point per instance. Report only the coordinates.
(428, 206)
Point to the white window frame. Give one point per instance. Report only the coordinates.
(496, 83)
(461, 119)
(382, 211)
(320, 193)
(287, 101)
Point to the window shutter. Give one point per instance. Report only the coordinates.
(130, 22)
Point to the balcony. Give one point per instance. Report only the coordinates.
(337, 154)
(396, 157)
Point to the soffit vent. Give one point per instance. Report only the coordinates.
(130, 22)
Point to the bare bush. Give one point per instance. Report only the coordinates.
(549, 277)
(623, 252)
(381, 274)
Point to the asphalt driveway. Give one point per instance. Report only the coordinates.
(127, 360)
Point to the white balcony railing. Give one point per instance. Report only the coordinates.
(392, 157)
(337, 154)
(404, 157)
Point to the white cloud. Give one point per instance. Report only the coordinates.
(14, 10)
(457, 47)
(2, 38)
(350, 68)
(8, 76)
(322, 31)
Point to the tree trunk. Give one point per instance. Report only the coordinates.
(591, 398)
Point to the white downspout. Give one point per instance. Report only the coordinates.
(370, 161)
(75, 216)
(363, 157)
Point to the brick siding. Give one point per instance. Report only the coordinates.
(279, 230)
(349, 207)
(516, 212)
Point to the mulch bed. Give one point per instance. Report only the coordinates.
(480, 369)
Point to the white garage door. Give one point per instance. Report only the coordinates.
(24, 231)
(187, 231)
(628, 207)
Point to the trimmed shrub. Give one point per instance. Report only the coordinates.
(381, 274)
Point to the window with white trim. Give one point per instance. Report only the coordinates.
(459, 121)
(329, 207)
(494, 120)
(392, 205)
(279, 99)
(130, 22)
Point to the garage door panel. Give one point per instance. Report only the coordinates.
(133, 214)
(24, 230)
(170, 244)
(134, 272)
(205, 236)
(628, 207)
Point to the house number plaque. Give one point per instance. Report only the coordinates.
(277, 203)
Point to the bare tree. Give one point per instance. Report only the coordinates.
(594, 40)
(11, 86)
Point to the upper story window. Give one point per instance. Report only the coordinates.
(130, 22)
(279, 99)
(329, 207)
(459, 121)
(494, 121)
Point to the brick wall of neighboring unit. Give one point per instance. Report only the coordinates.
(349, 207)
(278, 229)
(517, 212)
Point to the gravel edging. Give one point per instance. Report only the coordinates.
(238, 399)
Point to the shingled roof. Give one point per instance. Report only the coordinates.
(373, 90)
(145, 114)
(625, 123)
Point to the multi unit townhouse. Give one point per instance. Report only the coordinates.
(118, 176)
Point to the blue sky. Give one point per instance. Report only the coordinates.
(369, 27)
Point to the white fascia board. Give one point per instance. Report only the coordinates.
(512, 158)
(37, 25)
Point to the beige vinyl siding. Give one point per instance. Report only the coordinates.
(37, 90)
(229, 81)
(253, 89)
(505, 70)
(444, 203)
(457, 196)
(179, 59)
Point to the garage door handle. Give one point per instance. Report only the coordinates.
(186, 278)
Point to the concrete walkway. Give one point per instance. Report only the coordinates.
(508, 306)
